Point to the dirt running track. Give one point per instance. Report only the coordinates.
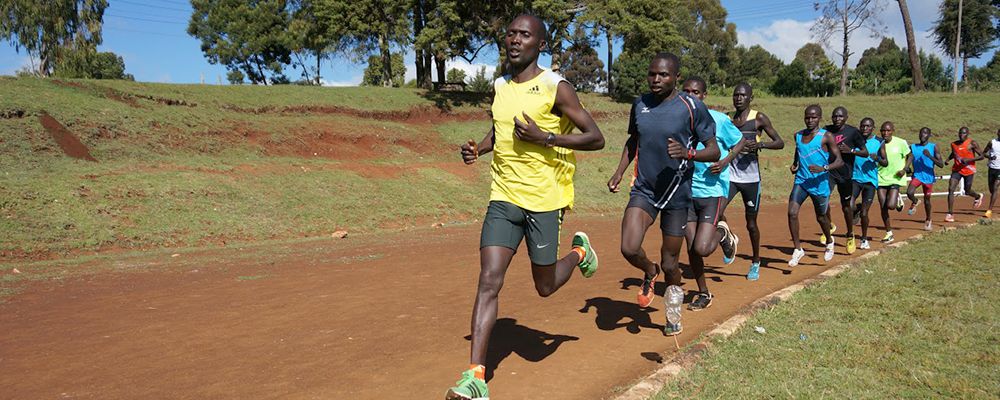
(360, 319)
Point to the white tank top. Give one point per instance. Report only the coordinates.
(995, 154)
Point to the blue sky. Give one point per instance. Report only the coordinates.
(151, 37)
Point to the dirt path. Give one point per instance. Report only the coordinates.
(362, 318)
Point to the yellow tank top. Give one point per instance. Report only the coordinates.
(533, 177)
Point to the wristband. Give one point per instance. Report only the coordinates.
(826, 168)
(551, 140)
(691, 154)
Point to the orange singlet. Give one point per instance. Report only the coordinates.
(963, 150)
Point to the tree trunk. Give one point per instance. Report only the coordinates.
(611, 82)
(911, 44)
(965, 67)
(958, 43)
(427, 68)
(319, 59)
(843, 65)
(439, 63)
(383, 44)
(418, 26)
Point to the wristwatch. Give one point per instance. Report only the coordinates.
(551, 140)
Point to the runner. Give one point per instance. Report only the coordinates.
(744, 176)
(993, 151)
(665, 126)
(813, 149)
(892, 175)
(534, 112)
(866, 177)
(851, 144)
(923, 157)
(709, 187)
(965, 152)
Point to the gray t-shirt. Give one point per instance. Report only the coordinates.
(745, 167)
(666, 182)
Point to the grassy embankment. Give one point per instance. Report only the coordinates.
(918, 322)
(233, 165)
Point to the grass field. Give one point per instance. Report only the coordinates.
(900, 325)
(196, 165)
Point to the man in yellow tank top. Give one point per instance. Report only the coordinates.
(534, 113)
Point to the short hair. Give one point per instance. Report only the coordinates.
(696, 79)
(964, 128)
(925, 129)
(867, 119)
(815, 107)
(746, 86)
(889, 123)
(543, 32)
(839, 108)
(670, 57)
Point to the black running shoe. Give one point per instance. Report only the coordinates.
(701, 301)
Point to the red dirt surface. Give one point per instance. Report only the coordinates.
(428, 115)
(366, 317)
(66, 140)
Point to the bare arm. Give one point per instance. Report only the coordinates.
(717, 167)
(882, 159)
(832, 148)
(937, 159)
(976, 152)
(909, 163)
(628, 154)
(568, 104)
(776, 143)
(471, 151)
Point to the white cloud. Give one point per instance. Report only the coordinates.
(784, 37)
(470, 69)
(353, 81)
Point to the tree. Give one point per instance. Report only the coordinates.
(979, 31)
(820, 71)
(42, 28)
(911, 47)
(582, 66)
(480, 83)
(986, 77)
(373, 26)
(645, 27)
(934, 71)
(456, 75)
(310, 35)
(374, 72)
(711, 41)
(243, 35)
(235, 77)
(88, 63)
(883, 69)
(792, 80)
(845, 17)
(755, 66)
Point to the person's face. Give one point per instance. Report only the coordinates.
(963, 134)
(925, 135)
(812, 118)
(839, 117)
(741, 98)
(695, 89)
(887, 131)
(523, 43)
(662, 76)
(866, 127)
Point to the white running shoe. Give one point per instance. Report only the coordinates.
(828, 255)
(928, 227)
(864, 245)
(797, 255)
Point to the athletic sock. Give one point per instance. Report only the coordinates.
(580, 251)
(478, 370)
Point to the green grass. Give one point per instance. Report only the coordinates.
(904, 324)
(212, 173)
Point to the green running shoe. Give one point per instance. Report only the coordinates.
(588, 266)
(468, 388)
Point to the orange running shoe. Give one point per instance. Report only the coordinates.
(646, 292)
